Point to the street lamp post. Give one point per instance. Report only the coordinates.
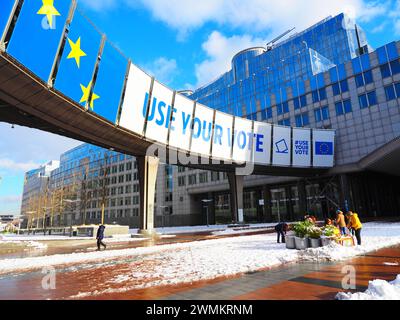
(206, 204)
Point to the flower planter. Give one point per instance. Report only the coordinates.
(326, 241)
(301, 243)
(314, 243)
(290, 242)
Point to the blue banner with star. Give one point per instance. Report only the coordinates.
(6, 7)
(75, 73)
(110, 82)
(37, 34)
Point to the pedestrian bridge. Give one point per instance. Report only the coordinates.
(59, 74)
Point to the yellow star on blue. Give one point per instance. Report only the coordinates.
(85, 95)
(49, 11)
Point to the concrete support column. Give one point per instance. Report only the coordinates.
(147, 171)
(301, 185)
(236, 186)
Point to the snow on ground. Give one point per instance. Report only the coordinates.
(14, 237)
(202, 260)
(30, 244)
(211, 228)
(377, 290)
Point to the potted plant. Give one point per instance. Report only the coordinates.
(328, 235)
(314, 234)
(301, 230)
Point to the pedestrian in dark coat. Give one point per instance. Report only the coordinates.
(281, 230)
(100, 237)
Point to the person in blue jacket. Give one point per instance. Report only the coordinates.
(281, 230)
(100, 237)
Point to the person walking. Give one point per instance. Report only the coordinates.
(100, 237)
(341, 222)
(355, 224)
(281, 230)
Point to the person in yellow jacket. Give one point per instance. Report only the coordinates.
(355, 224)
(341, 222)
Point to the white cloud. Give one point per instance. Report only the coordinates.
(8, 164)
(99, 5)
(163, 69)
(220, 50)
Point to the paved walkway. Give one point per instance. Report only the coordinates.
(301, 281)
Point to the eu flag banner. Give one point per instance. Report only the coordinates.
(78, 61)
(6, 8)
(324, 148)
(37, 34)
(110, 82)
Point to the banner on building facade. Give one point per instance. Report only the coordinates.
(281, 146)
(301, 149)
(262, 143)
(202, 130)
(181, 123)
(159, 113)
(242, 140)
(137, 95)
(222, 138)
(324, 148)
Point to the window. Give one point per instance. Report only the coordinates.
(296, 103)
(343, 107)
(368, 77)
(367, 100)
(359, 80)
(182, 181)
(395, 65)
(344, 86)
(390, 93)
(302, 120)
(397, 87)
(318, 115)
(336, 89)
(214, 176)
(385, 70)
(325, 113)
(283, 108)
(269, 113)
(322, 94)
(203, 177)
(315, 96)
(192, 179)
(284, 122)
(303, 101)
(321, 114)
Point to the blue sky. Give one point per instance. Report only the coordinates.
(185, 44)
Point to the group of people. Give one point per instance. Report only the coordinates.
(348, 224)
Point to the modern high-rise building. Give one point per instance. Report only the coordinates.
(327, 76)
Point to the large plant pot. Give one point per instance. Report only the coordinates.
(301, 243)
(326, 241)
(290, 242)
(314, 243)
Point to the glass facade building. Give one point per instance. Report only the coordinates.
(327, 76)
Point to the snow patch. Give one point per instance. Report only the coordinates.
(377, 290)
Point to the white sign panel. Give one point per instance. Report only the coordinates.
(281, 146)
(222, 140)
(134, 108)
(301, 147)
(262, 143)
(242, 140)
(202, 130)
(324, 148)
(159, 114)
(181, 121)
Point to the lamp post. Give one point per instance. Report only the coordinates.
(206, 204)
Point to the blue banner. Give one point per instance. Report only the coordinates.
(75, 74)
(324, 148)
(6, 7)
(110, 82)
(38, 33)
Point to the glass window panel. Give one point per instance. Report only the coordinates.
(397, 86)
(395, 66)
(333, 74)
(315, 96)
(365, 62)
(390, 93)
(296, 102)
(306, 119)
(359, 80)
(303, 101)
(339, 108)
(336, 89)
(317, 115)
(356, 65)
(363, 101)
(392, 51)
(325, 113)
(342, 72)
(322, 94)
(382, 57)
(385, 71)
(299, 122)
(347, 106)
(368, 77)
(372, 98)
(344, 86)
